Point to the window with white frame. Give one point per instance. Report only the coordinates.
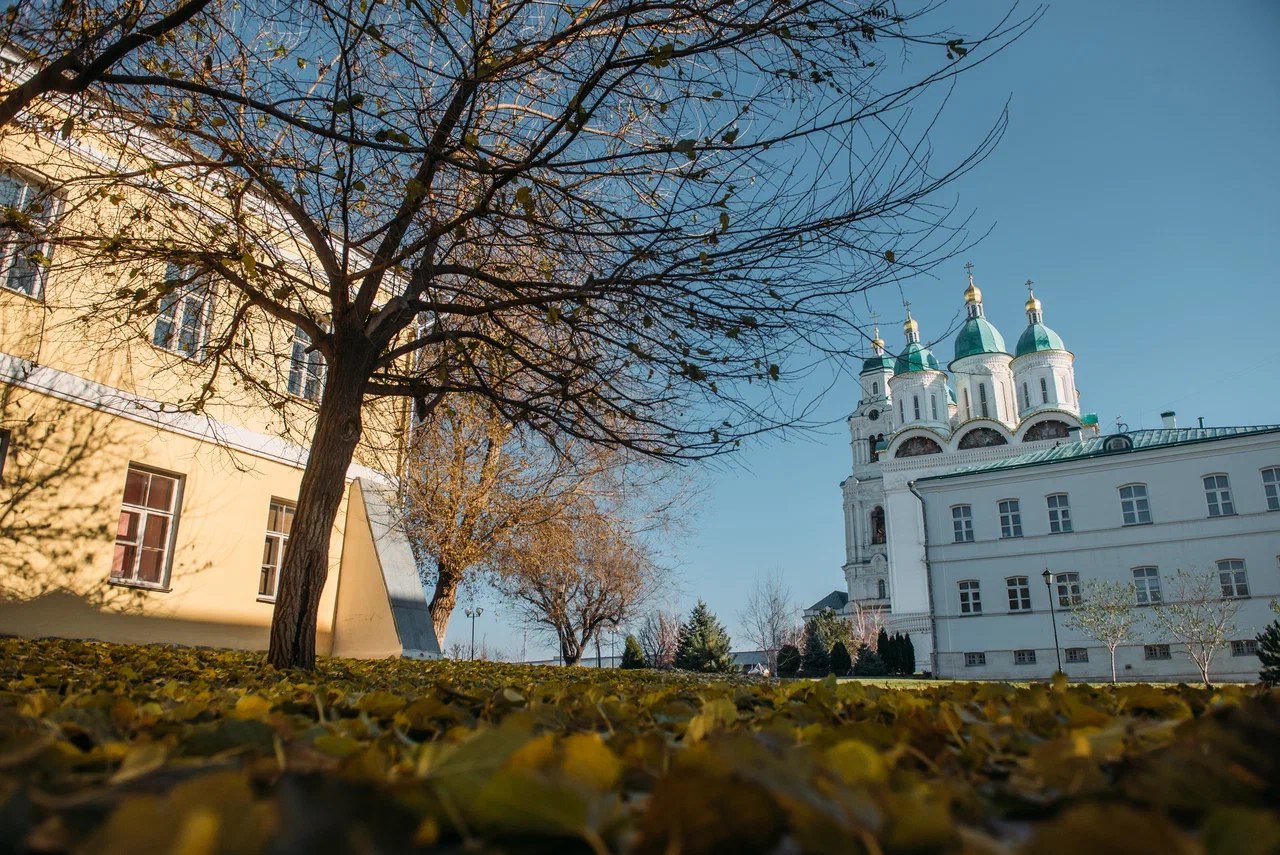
(1156, 651)
(875, 388)
(1234, 579)
(1059, 513)
(145, 530)
(933, 405)
(882, 589)
(1271, 487)
(1146, 585)
(972, 659)
(1245, 647)
(901, 417)
(1026, 397)
(970, 597)
(1134, 505)
(1010, 518)
(964, 393)
(182, 325)
(306, 369)
(1217, 492)
(962, 524)
(1044, 391)
(915, 405)
(279, 524)
(1077, 654)
(1019, 591)
(24, 260)
(1068, 589)
(982, 399)
(1024, 657)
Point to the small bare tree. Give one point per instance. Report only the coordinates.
(768, 616)
(1200, 615)
(864, 627)
(658, 635)
(1106, 613)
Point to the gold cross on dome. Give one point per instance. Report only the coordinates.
(1030, 282)
(968, 266)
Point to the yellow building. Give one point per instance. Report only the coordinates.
(126, 516)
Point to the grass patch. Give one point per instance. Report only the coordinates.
(113, 748)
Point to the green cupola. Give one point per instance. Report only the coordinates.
(915, 356)
(977, 334)
(878, 360)
(1037, 337)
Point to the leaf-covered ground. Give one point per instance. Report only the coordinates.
(108, 748)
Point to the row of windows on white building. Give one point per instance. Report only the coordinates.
(983, 409)
(1077, 655)
(146, 531)
(185, 311)
(1135, 507)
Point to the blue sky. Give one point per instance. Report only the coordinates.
(1139, 186)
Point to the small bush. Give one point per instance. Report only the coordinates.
(632, 654)
(841, 661)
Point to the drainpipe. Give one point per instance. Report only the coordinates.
(928, 579)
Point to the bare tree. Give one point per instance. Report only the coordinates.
(581, 214)
(767, 616)
(1107, 614)
(1198, 613)
(864, 627)
(577, 574)
(658, 634)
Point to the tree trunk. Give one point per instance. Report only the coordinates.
(444, 598)
(306, 561)
(1113, 664)
(570, 652)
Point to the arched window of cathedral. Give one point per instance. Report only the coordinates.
(1052, 429)
(875, 388)
(877, 525)
(882, 589)
(1044, 391)
(1026, 397)
(982, 399)
(967, 412)
(915, 405)
(917, 446)
(901, 415)
(933, 405)
(982, 437)
(873, 442)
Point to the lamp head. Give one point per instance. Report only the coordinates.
(1046, 576)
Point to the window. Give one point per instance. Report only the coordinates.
(1044, 391)
(1068, 585)
(1059, 513)
(1247, 647)
(183, 323)
(1271, 487)
(1217, 492)
(1155, 651)
(24, 260)
(982, 399)
(972, 659)
(1146, 585)
(965, 394)
(1019, 593)
(144, 534)
(4, 448)
(1077, 654)
(962, 524)
(901, 416)
(875, 388)
(306, 370)
(279, 524)
(1010, 519)
(882, 589)
(933, 405)
(1134, 505)
(970, 598)
(1026, 397)
(1235, 582)
(915, 405)
(1024, 657)
(877, 525)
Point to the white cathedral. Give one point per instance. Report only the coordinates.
(990, 458)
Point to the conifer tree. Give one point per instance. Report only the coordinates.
(788, 660)
(1269, 650)
(884, 645)
(908, 656)
(841, 661)
(703, 644)
(817, 656)
(869, 663)
(632, 654)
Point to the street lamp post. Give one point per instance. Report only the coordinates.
(473, 614)
(1048, 585)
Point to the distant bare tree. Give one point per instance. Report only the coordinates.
(1200, 615)
(1107, 614)
(658, 635)
(864, 627)
(768, 616)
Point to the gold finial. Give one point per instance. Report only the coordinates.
(1033, 305)
(972, 294)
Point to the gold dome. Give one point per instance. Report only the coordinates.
(1033, 305)
(910, 325)
(972, 294)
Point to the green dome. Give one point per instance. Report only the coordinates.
(883, 362)
(916, 357)
(978, 336)
(1037, 337)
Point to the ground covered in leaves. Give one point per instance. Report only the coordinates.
(108, 748)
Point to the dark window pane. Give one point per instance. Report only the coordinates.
(150, 565)
(127, 527)
(135, 487)
(122, 563)
(157, 533)
(161, 496)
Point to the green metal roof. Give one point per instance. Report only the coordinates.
(951, 395)
(978, 335)
(1037, 337)
(884, 362)
(916, 357)
(1143, 440)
